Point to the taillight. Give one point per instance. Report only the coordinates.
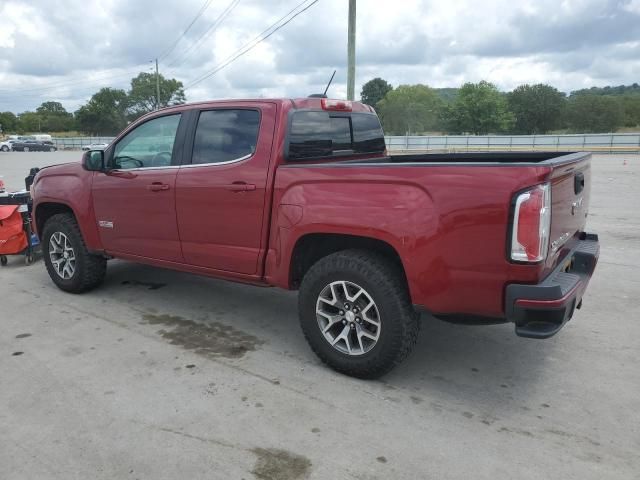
(336, 105)
(531, 225)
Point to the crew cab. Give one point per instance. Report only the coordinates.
(302, 194)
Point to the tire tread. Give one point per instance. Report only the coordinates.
(94, 267)
(391, 284)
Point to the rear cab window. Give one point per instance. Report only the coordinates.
(317, 134)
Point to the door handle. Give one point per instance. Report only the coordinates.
(158, 187)
(240, 187)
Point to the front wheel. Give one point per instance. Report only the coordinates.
(69, 264)
(356, 313)
(5, 148)
(52, 149)
(25, 149)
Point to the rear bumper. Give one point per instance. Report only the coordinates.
(540, 311)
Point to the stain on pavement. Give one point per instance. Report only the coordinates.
(275, 464)
(212, 339)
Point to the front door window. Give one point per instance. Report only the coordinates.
(147, 146)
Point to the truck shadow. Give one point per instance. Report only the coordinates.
(470, 366)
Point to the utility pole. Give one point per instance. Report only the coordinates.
(157, 87)
(351, 52)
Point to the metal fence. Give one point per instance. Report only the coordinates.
(601, 142)
(604, 143)
(76, 143)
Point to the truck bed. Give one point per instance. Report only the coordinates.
(501, 158)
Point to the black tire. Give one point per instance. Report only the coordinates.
(3, 260)
(89, 269)
(384, 281)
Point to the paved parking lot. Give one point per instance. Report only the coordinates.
(162, 375)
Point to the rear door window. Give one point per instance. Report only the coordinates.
(225, 135)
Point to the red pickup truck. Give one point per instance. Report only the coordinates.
(301, 194)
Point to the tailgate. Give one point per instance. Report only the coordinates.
(570, 190)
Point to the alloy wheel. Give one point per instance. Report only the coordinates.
(348, 318)
(62, 255)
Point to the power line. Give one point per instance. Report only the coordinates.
(204, 7)
(253, 43)
(54, 86)
(180, 59)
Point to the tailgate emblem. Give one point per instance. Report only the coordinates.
(105, 224)
(558, 242)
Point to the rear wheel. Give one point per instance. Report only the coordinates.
(69, 264)
(52, 149)
(3, 260)
(25, 149)
(356, 314)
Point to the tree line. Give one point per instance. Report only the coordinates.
(480, 108)
(474, 108)
(106, 113)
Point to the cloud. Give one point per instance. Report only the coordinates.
(69, 52)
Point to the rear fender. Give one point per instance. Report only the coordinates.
(394, 213)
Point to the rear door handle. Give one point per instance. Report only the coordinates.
(158, 187)
(240, 187)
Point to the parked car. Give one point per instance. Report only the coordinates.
(301, 194)
(95, 146)
(7, 145)
(33, 146)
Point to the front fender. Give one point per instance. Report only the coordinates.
(69, 186)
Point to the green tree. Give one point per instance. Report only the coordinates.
(633, 89)
(51, 108)
(29, 122)
(8, 122)
(447, 94)
(54, 117)
(594, 114)
(478, 108)
(105, 113)
(374, 90)
(631, 105)
(142, 96)
(537, 108)
(410, 108)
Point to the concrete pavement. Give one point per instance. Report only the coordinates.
(163, 375)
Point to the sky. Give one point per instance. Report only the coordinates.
(67, 50)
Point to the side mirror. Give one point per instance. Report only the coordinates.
(93, 160)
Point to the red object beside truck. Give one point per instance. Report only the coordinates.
(302, 194)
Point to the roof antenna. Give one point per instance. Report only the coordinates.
(324, 95)
(329, 84)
